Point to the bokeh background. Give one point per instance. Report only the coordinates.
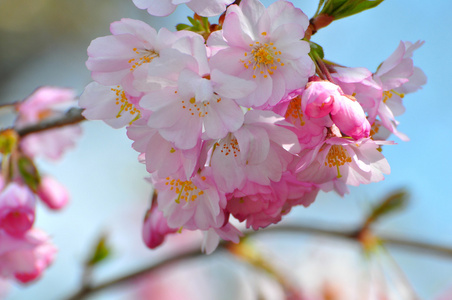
(43, 42)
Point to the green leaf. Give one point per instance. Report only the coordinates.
(317, 49)
(100, 252)
(29, 173)
(344, 8)
(394, 202)
(181, 26)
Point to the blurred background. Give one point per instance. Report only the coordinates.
(43, 42)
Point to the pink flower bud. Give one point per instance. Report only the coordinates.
(318, 99)
(350, 118)
(17, 209)
(155, 228)
(53, 193)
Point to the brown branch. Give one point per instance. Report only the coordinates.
(352, 235)
(72, 116)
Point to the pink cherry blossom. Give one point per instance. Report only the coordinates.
(398, 76)
(110, 104)
(162, 157)
(265, 46)
(17, 209)
(259, 151)
(193, 203)
(52, 193)
(26, 257)
(340, 161)
(205, 8)
(134, 44)
(262, 205)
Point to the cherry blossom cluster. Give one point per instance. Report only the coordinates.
(244, 124)
(25, 252)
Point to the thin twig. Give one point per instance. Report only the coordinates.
(72, 116)
(303, 229)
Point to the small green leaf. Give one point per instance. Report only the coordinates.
(100, 252)
(29, 172)
(181, 26)
(394, 202)
(344, 8)
(317, 49)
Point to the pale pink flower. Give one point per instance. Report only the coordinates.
(110, 104)
(47, 103)
(193, 203)
(52, 193)
(26, 257)
(134, 44)
(205, 8)
(197, 107)
(340, 161)
(264, 45)
(17, 209)
(162, 157)
(259, 151)
(397, 76)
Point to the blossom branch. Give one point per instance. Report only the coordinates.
(352, 234)
(72, 116)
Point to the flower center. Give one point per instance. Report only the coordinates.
(294, 111)
(337, 156)
(198, 108)
(388, 95)
(263, 58)
(146, 56)
(185, 190)
(229, 146)
(125, 105)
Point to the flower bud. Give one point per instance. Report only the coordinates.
(52, 193)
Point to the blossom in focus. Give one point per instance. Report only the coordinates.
(398, 76)
(264, 46)
(340, 162)
(25, 258)
(205, 8)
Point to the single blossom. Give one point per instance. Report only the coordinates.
(259, 151)
(133, 45)
(398, 76)
(265, 46)
(340, 162)
(192, 203)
